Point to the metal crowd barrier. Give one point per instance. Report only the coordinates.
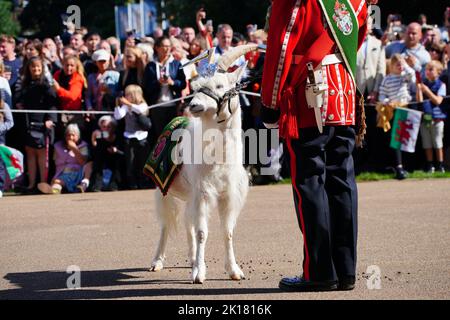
(248, 93)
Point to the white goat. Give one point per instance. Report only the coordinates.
(205, 187)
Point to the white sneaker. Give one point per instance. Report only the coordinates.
(1, 194)
(82, 187)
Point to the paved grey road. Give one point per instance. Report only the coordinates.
(404, 230)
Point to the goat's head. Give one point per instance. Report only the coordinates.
(213, 95)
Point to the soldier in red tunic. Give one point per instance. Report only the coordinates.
(309, 92)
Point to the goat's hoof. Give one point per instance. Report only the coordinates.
(237, 274)
(156, 266)
(198, 281)
(236, 277)
(198, 275)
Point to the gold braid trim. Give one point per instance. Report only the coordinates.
(360, 120)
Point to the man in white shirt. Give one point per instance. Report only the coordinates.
(371, 62)
(414, 52)
(224, 37)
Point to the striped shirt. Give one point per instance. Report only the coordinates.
(395, 88)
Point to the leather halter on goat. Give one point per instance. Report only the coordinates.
(222, 66)
(226, 98)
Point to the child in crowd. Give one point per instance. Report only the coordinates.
(394, 89)
(432, 127)
(36, 93)
(107, 154)
(72, 167)
(395, 86)
(6, 123)
(135, 111)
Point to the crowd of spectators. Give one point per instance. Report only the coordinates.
(406, 65)
(81, 71)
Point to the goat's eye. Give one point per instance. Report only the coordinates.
(219, 86)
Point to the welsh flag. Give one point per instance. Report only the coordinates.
(13, 161)
(405, 129)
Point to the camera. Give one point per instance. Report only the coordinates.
(396, 33)
(163, 73)
(395, 18)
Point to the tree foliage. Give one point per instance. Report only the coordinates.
(42, 18)
(237, 13)
(410, 10)
(7, 24)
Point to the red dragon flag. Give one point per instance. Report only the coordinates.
(13, 161)
(405, 129)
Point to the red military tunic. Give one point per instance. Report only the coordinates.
(299, 33)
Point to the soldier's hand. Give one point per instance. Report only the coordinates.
(269, 115)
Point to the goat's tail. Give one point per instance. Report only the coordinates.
(167, 209)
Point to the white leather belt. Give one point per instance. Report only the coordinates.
(327, 60)
(332, 59)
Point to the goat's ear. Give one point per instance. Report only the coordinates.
(196, 84)
(236, 75)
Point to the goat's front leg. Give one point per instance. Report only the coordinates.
(199, 214)
(230, 207)
(158, 260)
(192, 241)
(166, 210)
(228, 220)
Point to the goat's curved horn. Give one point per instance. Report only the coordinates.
(231, 56)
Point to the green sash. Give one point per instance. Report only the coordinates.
(160, 165)
(343, 23)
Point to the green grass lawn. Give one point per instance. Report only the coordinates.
(373, 176)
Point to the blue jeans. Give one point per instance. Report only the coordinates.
(2, 175)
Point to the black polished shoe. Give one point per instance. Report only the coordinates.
(346, 283)
(301, 285)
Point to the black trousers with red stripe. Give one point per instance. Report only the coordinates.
(325, 196)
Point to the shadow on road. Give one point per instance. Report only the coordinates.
(51, 285)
